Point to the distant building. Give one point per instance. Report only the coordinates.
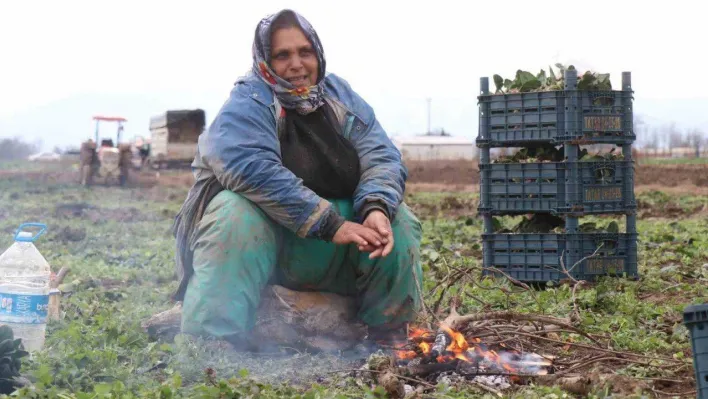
(433, 147)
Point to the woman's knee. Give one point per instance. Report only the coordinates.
(407, 226)
(233, 223)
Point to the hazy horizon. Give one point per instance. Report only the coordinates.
(70, 61)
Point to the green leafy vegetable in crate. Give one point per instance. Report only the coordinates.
(525, 82)
(537, 223)
(597, 157)
(548, 153)
(544, 223)
(543, 153)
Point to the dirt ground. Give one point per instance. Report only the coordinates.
(467, 173)
(428, 176)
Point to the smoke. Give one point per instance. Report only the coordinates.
(195, 355)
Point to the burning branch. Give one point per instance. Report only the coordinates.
(455, 321)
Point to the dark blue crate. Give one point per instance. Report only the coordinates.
(519, 188)
(524, 118)
(695, 318)
(556, 117)
(536, 257)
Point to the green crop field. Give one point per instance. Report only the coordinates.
(626, 339)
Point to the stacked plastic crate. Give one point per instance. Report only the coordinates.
(570, 189)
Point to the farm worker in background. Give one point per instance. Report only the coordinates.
(296, 184)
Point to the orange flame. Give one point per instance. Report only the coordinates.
(460, 348)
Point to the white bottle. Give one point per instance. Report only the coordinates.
(24, 289)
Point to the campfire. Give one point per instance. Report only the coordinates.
(493, 351)
(448, 345)
(446, 356)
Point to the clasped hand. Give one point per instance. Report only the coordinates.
(374, 235)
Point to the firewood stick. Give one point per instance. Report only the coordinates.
(455, 321)
(627, 354)
(60, 277)
(424, 370)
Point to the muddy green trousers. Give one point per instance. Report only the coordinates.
(238, 250)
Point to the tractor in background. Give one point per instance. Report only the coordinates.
(174, 135)
(107, 161)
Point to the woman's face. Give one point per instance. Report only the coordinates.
(293, 58)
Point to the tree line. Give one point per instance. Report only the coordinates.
(15, 148)
(668, 137)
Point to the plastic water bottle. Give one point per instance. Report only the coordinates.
(24, 288)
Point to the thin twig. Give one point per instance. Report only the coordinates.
(499, 374)
(670, 287)
(591, 361)
(575, 316)
(629, 354)
(485, 304)
(567, 272)
(443, 281)
(457, 321)
(663, 379)
(426, 311)
(513, 280)
(436, 307)
(689, 393)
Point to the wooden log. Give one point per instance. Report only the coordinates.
(308, 320)
(424, 370)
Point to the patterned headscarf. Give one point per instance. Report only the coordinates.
(303, 99)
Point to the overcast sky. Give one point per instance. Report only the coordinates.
(187, 54)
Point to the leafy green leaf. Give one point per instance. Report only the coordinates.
(508, 83)
(499, 83)
(612, 227)
(530, 85)
(102, 389)
(524, 76)
(541, 76)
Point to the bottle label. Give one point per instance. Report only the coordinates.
(30, 309)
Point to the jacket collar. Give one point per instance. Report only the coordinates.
(262, 93)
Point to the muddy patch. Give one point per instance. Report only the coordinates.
(660, 204)
(83, 210)
(669, 210)
(160, 194)
(70, 234)
(443, 172)
(467, 173)
(672, 175)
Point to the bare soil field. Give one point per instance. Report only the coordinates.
(467, 173)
